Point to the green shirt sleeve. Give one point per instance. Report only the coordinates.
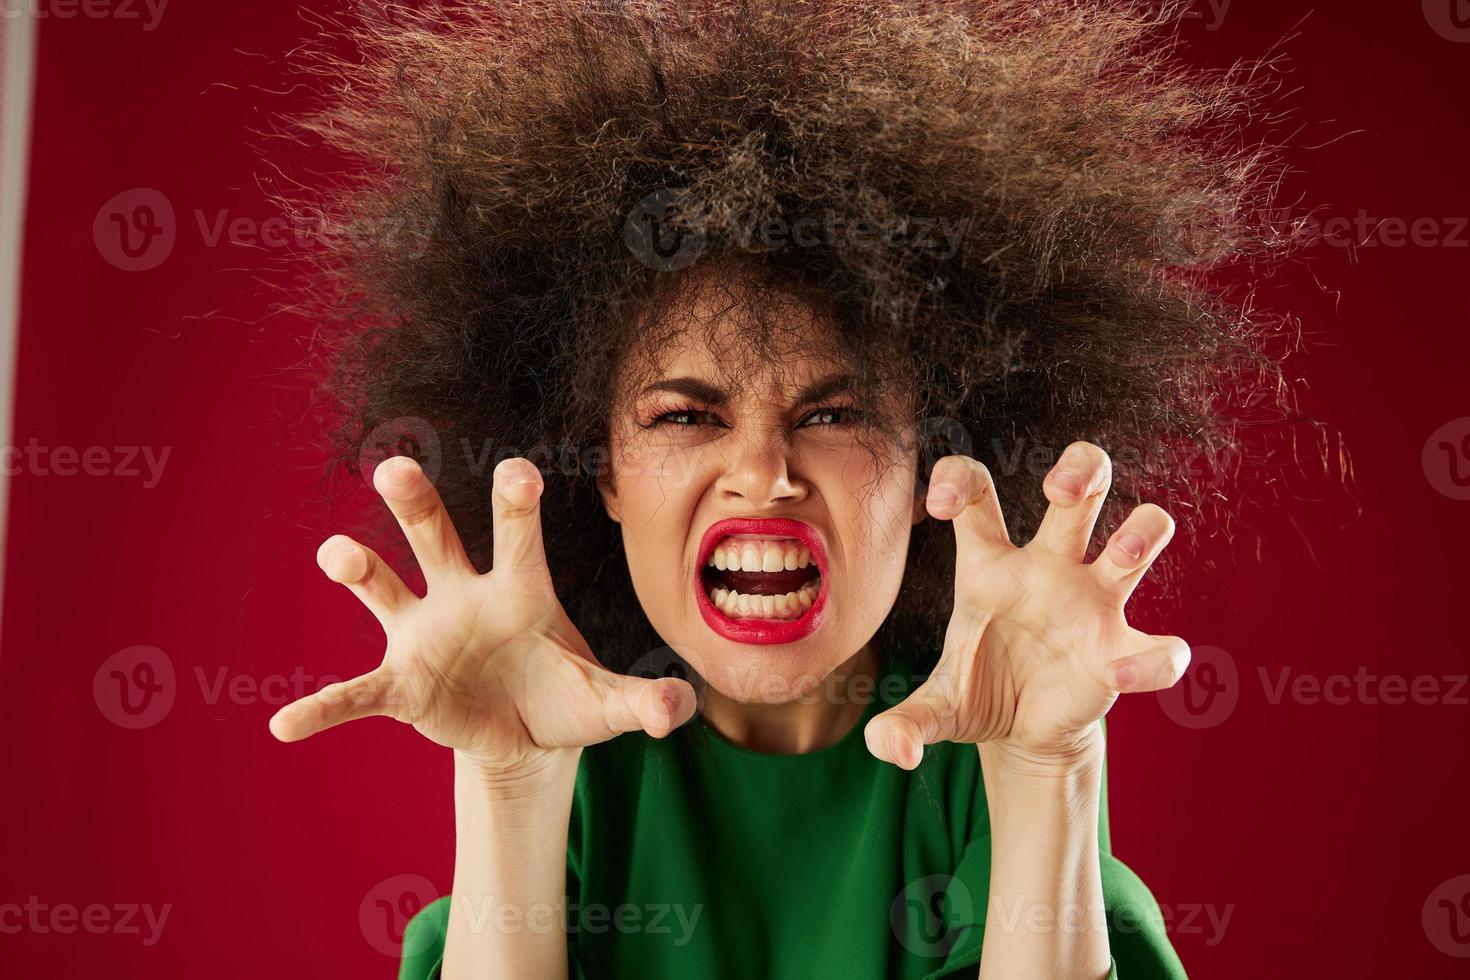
(1137, 936)
(834, 833)
(423, 945)
(1136, 930)
(423, 939)
(423, 942)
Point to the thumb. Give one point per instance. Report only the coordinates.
(363, 696)
(1157, 668)
(654, 705)
(899, 734)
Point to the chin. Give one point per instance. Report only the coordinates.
(763, 674)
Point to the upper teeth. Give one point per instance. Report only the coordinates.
(759, 555)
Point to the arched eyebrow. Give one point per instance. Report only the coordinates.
(710, 394)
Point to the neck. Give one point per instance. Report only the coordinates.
(809, 724)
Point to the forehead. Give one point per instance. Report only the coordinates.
(737, 332)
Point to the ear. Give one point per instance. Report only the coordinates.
(609, 497)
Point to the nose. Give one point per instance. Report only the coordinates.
(759, 473)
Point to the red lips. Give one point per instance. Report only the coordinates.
(766, 631)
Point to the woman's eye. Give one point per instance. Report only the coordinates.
(682, 417)
(834, 416)
(822, 417)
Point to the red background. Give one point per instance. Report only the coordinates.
(1321, 829)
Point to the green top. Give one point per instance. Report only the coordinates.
(691, 857)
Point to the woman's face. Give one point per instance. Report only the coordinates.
(765, 541)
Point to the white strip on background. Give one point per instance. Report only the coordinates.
(17, 80)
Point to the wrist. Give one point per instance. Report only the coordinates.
(529, 779)
(1082, 751)
(1045, 890)
(1021, 780)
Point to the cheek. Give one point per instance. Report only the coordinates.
(657, 492)
(878, 495)
(874, 505)
(649, 475)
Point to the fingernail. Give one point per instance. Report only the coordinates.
(895, 748)
(1124, 675)
(401, 469)
(1069, 482)
(517, 476)
(1131, 544)
(943, 497)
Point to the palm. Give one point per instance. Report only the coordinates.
(488, 664)
(533, 689)
(1038, 643)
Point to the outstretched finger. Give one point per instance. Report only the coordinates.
(961, 490)
(516, 501)
(361, 697)
(1132, 549)
(411, 496)
(1075, 488)
(367, 575)
(1155, 669)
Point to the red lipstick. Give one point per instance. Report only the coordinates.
(761, 630)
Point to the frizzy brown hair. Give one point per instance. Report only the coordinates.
(503, 152)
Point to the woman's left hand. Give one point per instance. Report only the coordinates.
(1038, 647)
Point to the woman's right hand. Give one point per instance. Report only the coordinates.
(488, 665)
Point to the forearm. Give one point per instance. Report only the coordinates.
(507, 913)
(1045, 917)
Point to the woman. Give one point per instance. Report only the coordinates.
(724, 697)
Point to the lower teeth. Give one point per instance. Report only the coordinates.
(792, 605)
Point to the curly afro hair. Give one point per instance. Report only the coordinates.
(1013, 210)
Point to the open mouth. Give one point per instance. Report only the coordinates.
(761, 579)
